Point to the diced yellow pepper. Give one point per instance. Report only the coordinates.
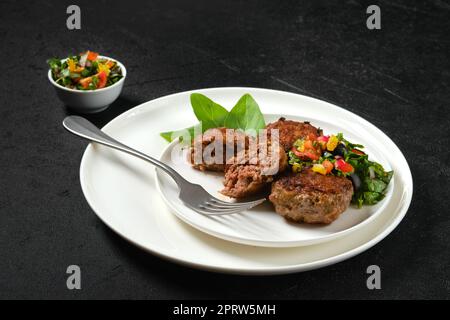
(319, 169)
(103, 67)
(332, 143)
(300, 145)
(71, 65)
(296, 167)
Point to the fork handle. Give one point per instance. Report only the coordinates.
(85, 129)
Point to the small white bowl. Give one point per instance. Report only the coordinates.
(90, 101)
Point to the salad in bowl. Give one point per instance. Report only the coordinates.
(87, 82)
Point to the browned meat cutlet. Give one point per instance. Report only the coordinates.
(208, 139)
(311, 197)
(253, 176)
(290, 131)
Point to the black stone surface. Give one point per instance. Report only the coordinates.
(397, 78)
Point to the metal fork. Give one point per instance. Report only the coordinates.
(193, 195)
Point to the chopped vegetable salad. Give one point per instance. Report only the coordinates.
(337, 156)
(86, 71)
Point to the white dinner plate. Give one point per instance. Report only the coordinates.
(122, 190)
(261, 226)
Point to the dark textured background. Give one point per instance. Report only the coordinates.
(396, 77)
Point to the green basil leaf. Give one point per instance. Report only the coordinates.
(245, 115)
(183, 134)
(209, 113)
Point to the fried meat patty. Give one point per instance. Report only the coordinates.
(244, 179)
(290, 131)
(207, 161)
(311, 197)
(248, 168)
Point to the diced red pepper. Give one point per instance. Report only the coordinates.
(343, 166)
(92, 55)
(311, 155)
(323, 138)
(305, 155)
(296, 152)
(101, 79)
(358, 152)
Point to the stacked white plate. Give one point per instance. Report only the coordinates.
(141, 203)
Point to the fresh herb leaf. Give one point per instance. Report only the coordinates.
(54, 63)
(209, 113)
(85, 73)
(372, 197)
(375, 185)
(245, 115)
(94, 81)
(183, 133)
(373, 189)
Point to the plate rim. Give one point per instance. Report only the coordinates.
(386, 229)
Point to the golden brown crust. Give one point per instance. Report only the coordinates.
(308, 180)
(249, 178)
(290, 131)
(311, 197)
